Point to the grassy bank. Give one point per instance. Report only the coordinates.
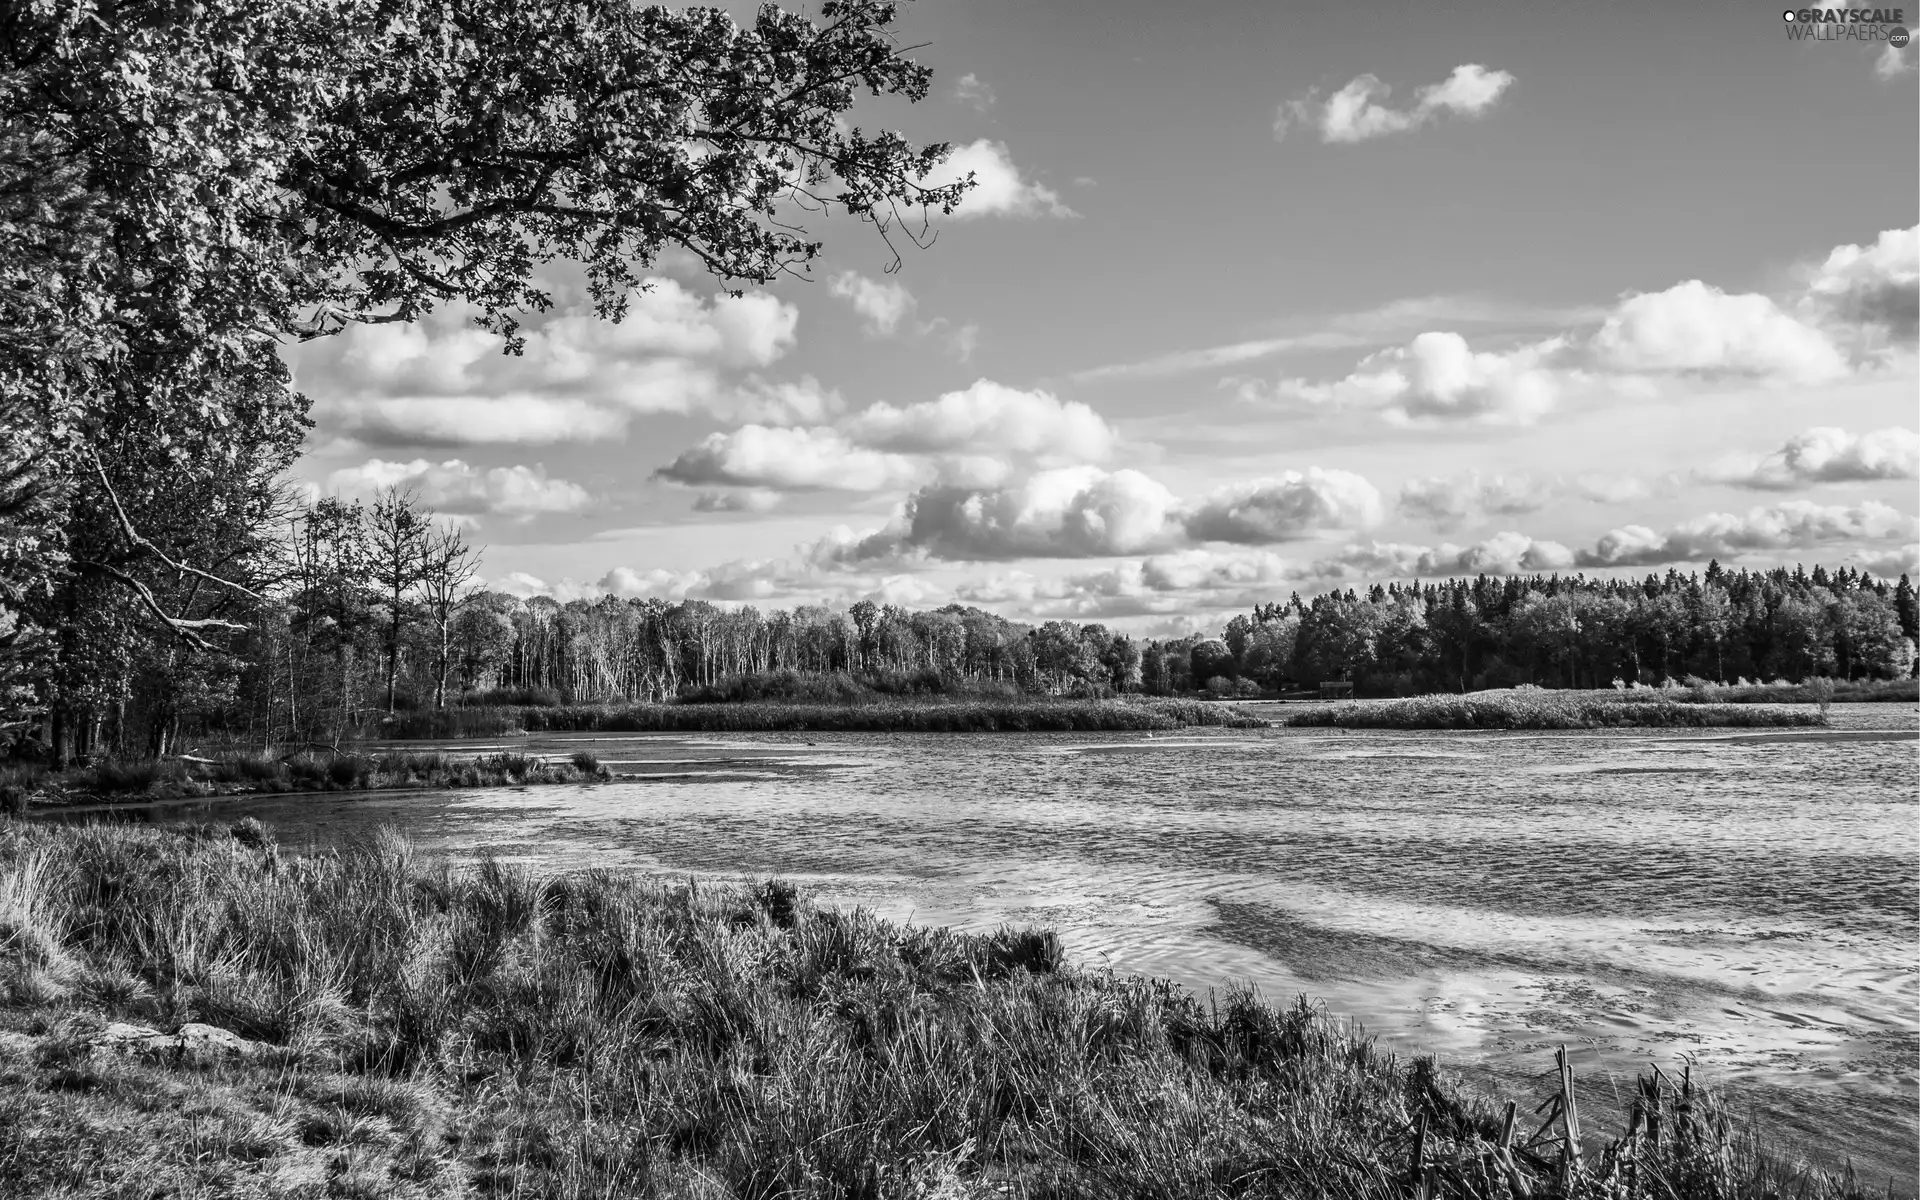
(889, 716)
(269, 773)
(1534, 708)
(414, 1032)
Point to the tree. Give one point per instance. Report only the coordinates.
(397, 534)
(447, 568)
(182, 186)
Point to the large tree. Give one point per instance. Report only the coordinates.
(185, 186)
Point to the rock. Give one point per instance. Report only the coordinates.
(192, 1038)
(211, 1039)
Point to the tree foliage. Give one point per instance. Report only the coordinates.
(185, 186)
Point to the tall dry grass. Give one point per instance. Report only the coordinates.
(427, 1032)
(1538, 708)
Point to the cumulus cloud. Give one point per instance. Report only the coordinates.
(1792, 524)
(1088, 512)
(792, 459)
(1903, 560)
(1277, 510)
(988, 417)
(442, 381)
(1448, 503)
(1438, 376)
(1696, 328)
(752, 500)
(456, 488)
(1826, 454)
(999, 189)
(1358, 111)
(977, 437)
(881, 305)
(1161, 584)
(1861, 306)
(1506, 553)
(1891, 63)
(1876, 286)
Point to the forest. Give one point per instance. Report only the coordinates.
(374, 611)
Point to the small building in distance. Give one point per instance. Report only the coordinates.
(1336, 689)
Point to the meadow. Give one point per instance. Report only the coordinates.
(198, 1012)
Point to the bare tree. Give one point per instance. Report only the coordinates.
(447, 569)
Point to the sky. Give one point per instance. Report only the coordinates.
(1249, 299)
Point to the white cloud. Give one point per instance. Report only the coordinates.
(989, 418)
(881, 305)
(1506, 553)
(1695, 328)
(1439, 376)
(1071, 512)
(523, 585)
(1357, 111)
(442, 381)
(1276, 510)
(999, 189)
(971, 89)
(755, 500)
(1891, 63)
(1789, 525)
(1892, 564)
(1825, 454)
(1876, 286)
(458, 489)
(802, 459)
(1448, 503)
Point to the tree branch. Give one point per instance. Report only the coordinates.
(141, 543)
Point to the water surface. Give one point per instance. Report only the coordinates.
(1743, 900)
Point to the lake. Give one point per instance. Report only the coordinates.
(1741, 899)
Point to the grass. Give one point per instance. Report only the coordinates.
(268, 773)
(1535, 708)
(1842, 691)
(884, 716)
(422, 1032)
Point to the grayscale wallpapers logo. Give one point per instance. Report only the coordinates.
(1848, 25)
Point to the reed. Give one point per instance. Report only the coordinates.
(882, 715)
(1536, 708)
(420, 1031)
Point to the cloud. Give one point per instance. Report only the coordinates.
(455, 488)
(1278, 510)
(1168, 585)
(1088, 512)
(1438, 376)
(1447, 503)
(1696, 328)
(1506, 553)
(1892, 564)
(1876, 286)
(1860, 305)
(443, 381)
(523, 585)
(791, 459)
(988, 417)
(971, 89)
(1356, 112)
(754, 500)
(1891, 64)
(882, 306)
(999, 189)
(1825, 454)
(1792, 524)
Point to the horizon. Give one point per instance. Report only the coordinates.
(1242, 304)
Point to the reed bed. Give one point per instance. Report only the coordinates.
(886, 716)
(1535, 708)
(416, 1031)
(321, 770)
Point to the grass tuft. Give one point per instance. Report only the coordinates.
(1537, 708)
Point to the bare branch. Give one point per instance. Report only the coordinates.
(141, 543)
(187, 628)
